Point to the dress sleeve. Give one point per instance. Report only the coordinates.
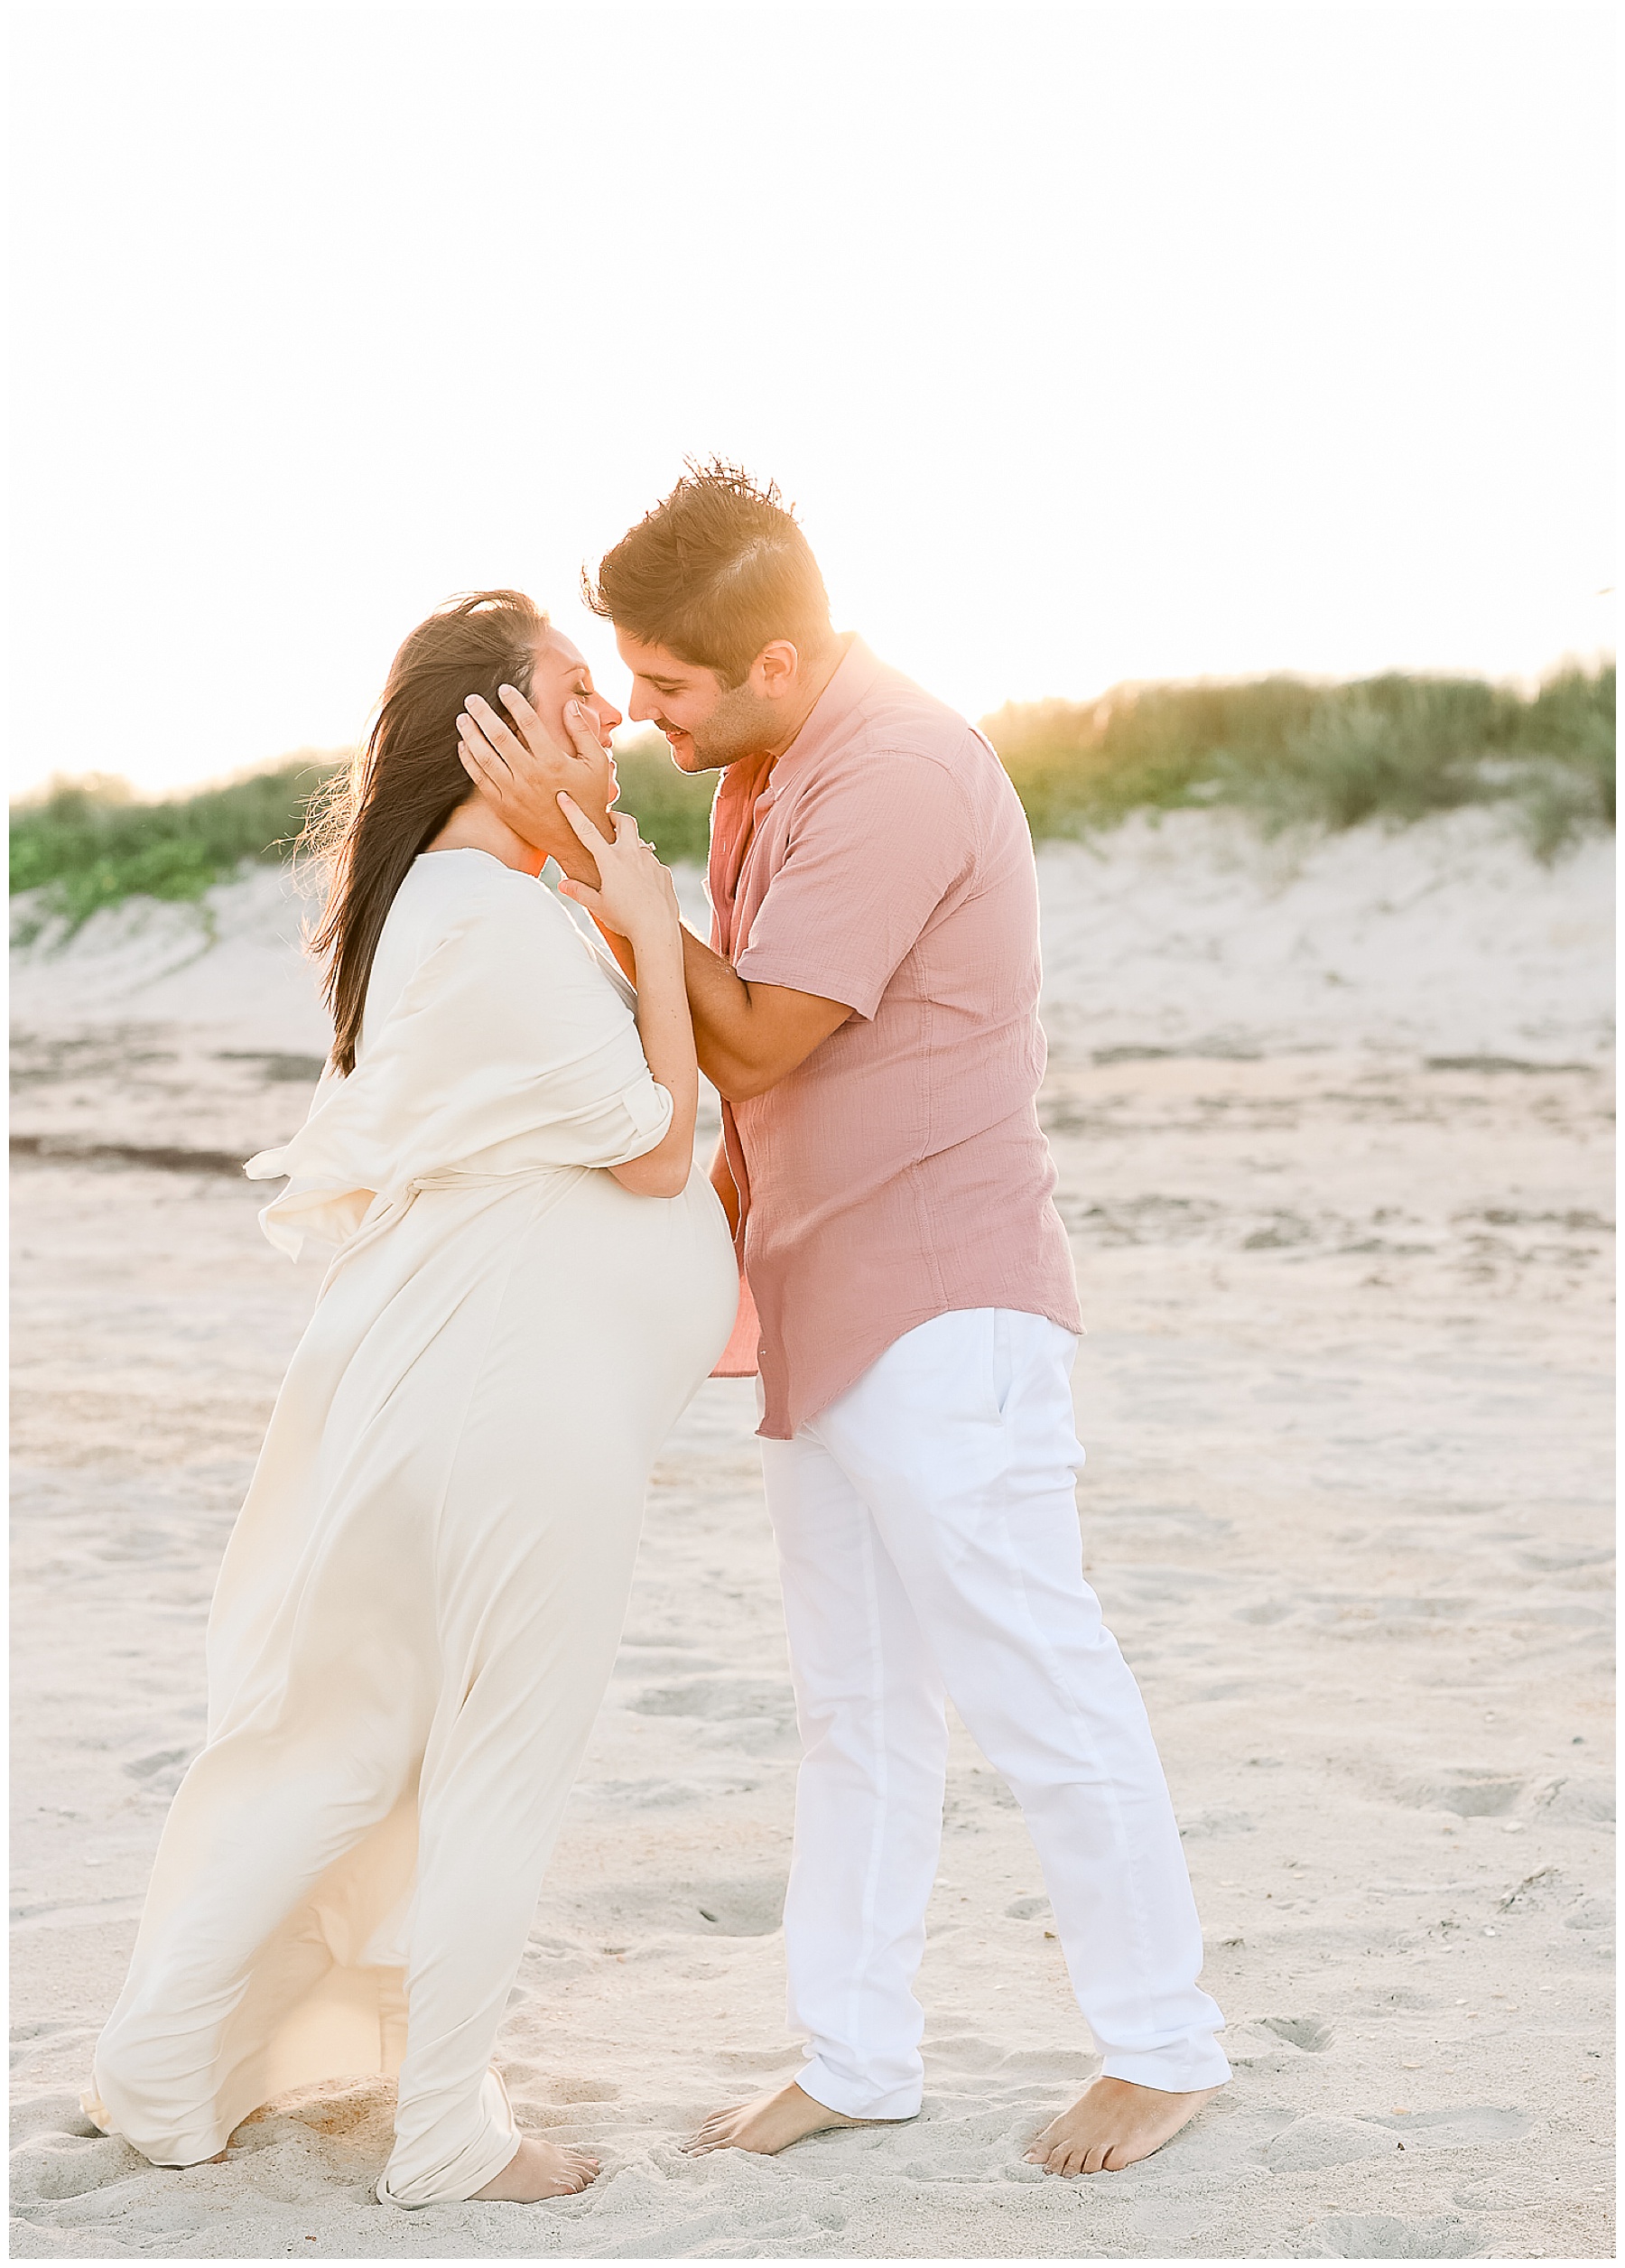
(507, 1049)
(873, 852)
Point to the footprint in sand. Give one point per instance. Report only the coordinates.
(750, 1906)
(1470, 1793)
(1386, 2236)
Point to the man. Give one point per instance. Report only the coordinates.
(868, 1012)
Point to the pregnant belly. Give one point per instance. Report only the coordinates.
(652, 1278)
(653, 1267)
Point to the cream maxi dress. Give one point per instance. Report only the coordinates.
(421, 1602)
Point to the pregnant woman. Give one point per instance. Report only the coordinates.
(419, 1605)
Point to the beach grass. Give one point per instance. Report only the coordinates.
(671, 808)
(1293, 754)
(1287, 753)
(86, 843)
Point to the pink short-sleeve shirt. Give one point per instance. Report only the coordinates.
(900, 1172)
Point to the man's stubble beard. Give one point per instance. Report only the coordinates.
(740, 725)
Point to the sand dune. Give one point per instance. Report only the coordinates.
(1335, 1143)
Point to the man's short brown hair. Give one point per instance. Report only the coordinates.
(713, 573)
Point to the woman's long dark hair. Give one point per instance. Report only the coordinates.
(372, 822)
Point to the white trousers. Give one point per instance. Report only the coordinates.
(928, 1536)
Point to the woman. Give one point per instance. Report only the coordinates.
(419, 1605)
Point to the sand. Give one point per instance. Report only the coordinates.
(1333, 1133)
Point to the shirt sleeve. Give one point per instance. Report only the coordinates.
(873, 850)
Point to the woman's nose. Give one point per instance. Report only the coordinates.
(609, 713)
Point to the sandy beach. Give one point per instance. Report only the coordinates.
(1334, 1134)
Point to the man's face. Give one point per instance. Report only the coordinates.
(708, 724)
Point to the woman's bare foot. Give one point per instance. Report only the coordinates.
(771, 2123)
(1112, 2124)
(538, 2170)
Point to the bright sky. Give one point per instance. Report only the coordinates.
(1092, 343)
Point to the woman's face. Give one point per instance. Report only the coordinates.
(560, 677)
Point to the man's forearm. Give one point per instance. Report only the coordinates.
(749, 1037)
(720, 1004)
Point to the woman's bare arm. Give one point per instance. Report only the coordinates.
(636, 899)
(668, 1045)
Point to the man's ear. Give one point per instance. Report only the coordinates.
(775, 669)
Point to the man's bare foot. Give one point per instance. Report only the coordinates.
(538, 2170)
(1112, 2123)
(771, 2123)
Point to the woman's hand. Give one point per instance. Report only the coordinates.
(636, 899)
(636, 896)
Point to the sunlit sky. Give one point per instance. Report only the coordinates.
(1090, 343)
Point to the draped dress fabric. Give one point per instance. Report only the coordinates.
(421, 1602)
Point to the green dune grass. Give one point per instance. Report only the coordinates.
(88, 843)
(1292, 754)
(1287, 753)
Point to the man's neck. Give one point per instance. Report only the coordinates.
(823, 669)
